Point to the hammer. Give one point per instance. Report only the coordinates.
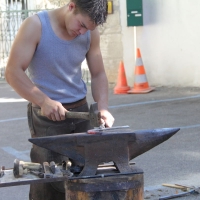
(94, 116)
(20, 167)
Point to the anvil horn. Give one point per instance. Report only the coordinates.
(119, 146)
(148, 139)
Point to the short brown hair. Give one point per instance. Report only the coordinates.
(95, 9)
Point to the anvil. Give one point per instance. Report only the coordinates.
(117, 145)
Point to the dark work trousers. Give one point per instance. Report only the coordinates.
(41, 126)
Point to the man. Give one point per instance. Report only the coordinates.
(52, 46)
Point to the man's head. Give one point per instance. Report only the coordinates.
(95, 9)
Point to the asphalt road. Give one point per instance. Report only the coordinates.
(176, 161)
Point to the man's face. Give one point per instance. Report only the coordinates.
(78, 24)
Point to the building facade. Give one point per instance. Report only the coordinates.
(168, 40)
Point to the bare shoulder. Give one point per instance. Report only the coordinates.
(95, 33)
(95, 37)
(32, 21)
(25, 43)
(30, 28)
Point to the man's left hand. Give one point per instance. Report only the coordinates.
(107, 118)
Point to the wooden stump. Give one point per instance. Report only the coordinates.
(115, 187)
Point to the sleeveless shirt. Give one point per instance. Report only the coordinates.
(56, 64)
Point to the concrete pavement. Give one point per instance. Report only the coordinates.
(175, 161)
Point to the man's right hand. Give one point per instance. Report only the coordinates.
(53, 110)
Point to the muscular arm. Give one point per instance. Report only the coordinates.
(99, 82)
(22, 51)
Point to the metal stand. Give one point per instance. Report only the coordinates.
(9, 180)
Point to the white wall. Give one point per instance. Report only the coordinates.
(169, 42)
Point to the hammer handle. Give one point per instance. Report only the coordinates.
(77, 115)
(174, 186)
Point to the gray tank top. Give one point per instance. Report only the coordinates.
(56, 65)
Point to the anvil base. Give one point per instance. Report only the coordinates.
(116, 186)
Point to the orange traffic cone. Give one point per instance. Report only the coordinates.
(121, 87)
(141, 84)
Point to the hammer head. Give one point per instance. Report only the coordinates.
(18, 169)
(94, 115)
